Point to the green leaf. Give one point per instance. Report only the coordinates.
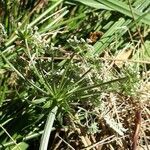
(107, 37)
(41, 16)
(21, 146)
(48, 129)
(125, 9)
(94, 4)
(40, 100)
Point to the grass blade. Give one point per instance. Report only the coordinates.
(124, 9)
(94, 4)
(10, 41)
(44, 13)
(101, 84)
(48, 129)
(105, 39)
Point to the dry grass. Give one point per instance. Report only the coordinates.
(122, 123)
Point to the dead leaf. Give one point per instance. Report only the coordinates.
(122, 57)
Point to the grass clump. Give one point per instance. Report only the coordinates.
(73, 74)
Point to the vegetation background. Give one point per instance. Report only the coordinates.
(74, 74)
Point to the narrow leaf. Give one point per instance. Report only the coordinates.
(48, 129)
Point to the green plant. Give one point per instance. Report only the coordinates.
(49, 69)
